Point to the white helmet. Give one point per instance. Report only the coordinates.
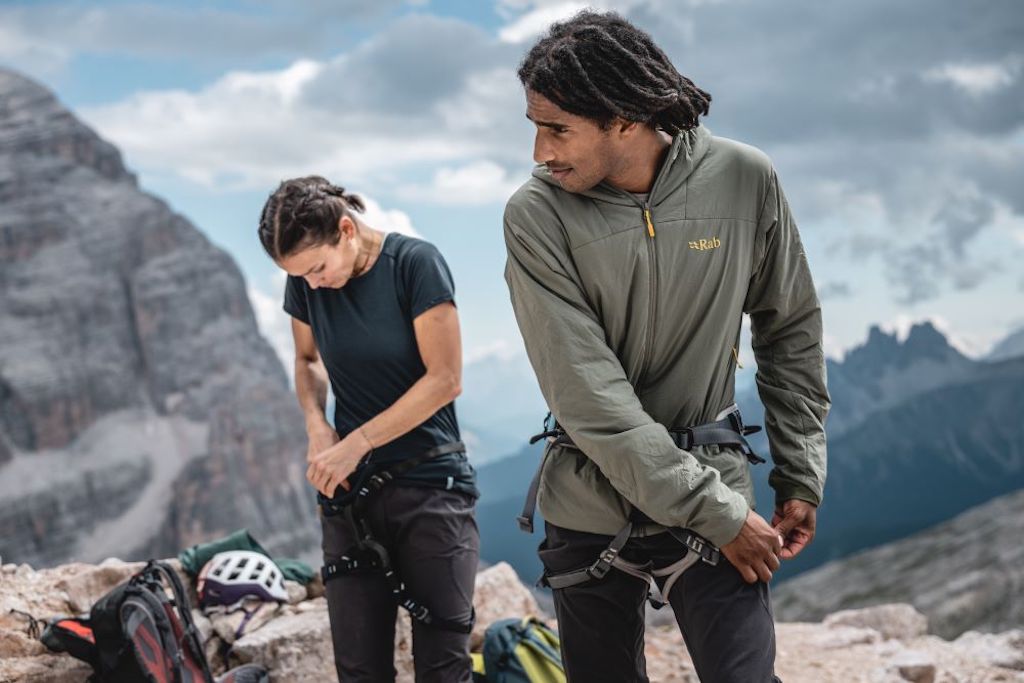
(233, 575)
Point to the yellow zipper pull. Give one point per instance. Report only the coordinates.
(650, 225)
(736, 355)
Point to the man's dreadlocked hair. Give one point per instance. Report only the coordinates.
(600, 66)
(303, 213)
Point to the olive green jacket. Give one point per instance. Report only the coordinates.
(631, 313)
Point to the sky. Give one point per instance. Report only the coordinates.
(897, 131)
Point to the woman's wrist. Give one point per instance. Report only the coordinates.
(316, 422)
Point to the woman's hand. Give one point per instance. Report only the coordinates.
(321, 437)
(330, 468)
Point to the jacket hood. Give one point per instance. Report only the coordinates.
(687, 150)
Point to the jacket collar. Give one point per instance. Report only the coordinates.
(686, 152)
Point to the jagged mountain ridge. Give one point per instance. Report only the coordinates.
(140, 409)
(1012, 346)
(946, 437)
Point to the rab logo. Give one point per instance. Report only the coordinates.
(704, 245)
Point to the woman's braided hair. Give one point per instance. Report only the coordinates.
(600, 66)
(303, 213)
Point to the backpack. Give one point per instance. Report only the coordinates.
(520, 651)
(136, 634)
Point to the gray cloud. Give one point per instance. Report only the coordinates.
(834, 290)
(909, 107)
(962, 220)
(416, 62)
(49, 33)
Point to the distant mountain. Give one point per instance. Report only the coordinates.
(503, 485)
(140, 409)
(1010, 347)
(501, 405)
(917, 433)
(964, 574)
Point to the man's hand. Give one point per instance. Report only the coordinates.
(795, 521)
(755, 551)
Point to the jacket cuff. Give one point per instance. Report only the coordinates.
(726, 527)
(791, 490)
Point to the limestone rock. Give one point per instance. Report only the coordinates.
(892, 621)
(296, 647)
(1004, 650)
(130, 364)
(89, 584)
(296, 592)
(500, 595)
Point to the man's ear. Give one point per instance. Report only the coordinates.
(624, 127)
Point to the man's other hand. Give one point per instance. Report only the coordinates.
(795, 521)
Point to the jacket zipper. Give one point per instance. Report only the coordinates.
(645, 208)
(652, 259)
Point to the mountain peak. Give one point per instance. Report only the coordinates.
(33, 123)
(883, 350)
(925, 340)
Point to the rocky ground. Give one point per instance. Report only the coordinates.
(888, 643)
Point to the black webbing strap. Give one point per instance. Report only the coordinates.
(729, 431)
(370, 482)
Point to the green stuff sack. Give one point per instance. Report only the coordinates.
(522, 651)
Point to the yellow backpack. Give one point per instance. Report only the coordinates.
(519, 651)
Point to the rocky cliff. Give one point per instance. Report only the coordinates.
(140, 410)
(967, 573)
(884, 644)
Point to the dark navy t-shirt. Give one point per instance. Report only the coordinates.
(365, 336)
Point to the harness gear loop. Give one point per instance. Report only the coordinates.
(369, 554)
(727, 430)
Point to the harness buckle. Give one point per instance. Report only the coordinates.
(683, 438)
(603, 564)
(708, 553)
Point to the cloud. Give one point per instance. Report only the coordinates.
(389, 108)
(388, 220)
(977, 79)
(479, 182)
(834, 290)
(537, 20)
(901, 125)
(406, 69)
(44, 37)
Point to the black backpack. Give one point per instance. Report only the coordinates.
(136, 634)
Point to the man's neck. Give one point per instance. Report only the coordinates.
(640, 168)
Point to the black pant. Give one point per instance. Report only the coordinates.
(727, 623)
(432, 537)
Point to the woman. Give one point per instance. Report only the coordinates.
(375, 312)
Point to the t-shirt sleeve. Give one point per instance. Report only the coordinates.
(295, 303)
(428, 282)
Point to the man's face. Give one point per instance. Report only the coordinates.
(577, 151)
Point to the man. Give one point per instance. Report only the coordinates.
(633, 252)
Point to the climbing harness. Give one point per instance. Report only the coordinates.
(727, 430)
(369, 554)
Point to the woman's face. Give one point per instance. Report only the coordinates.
(326, 265)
